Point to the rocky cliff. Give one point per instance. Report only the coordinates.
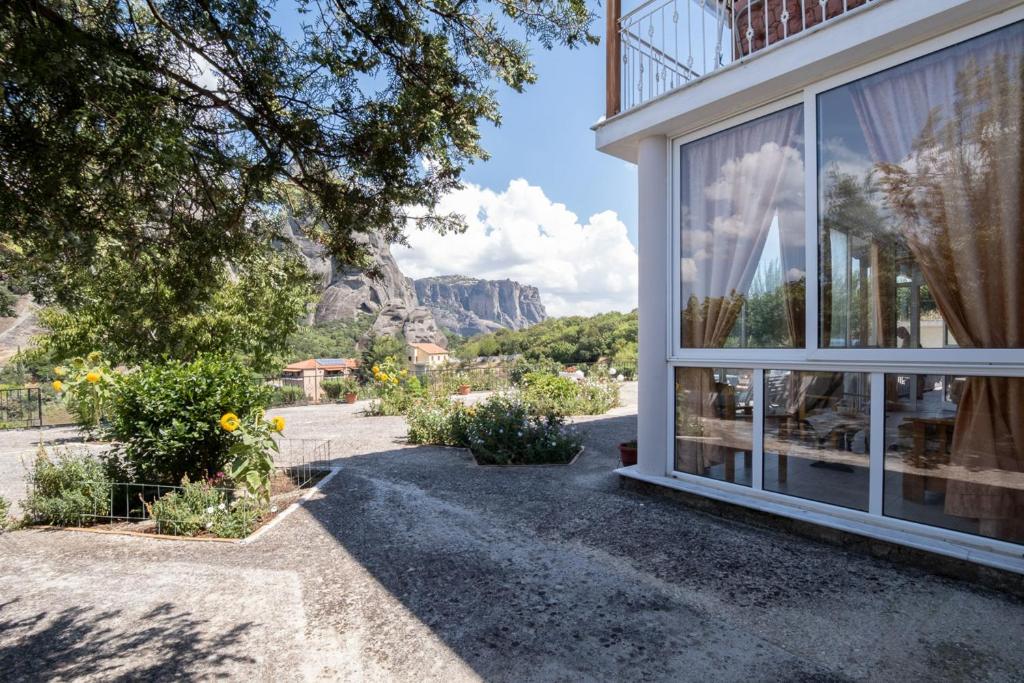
(348, 292)
(470, 306)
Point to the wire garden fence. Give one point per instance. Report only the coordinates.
(21, 408)
(209, 509)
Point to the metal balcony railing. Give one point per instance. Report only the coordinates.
(663, 44)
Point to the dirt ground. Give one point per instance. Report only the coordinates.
(413, 563)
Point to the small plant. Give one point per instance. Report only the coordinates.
(5, 514)
(338, 388)
(563, 396)
(502, 431)
(69, 490)
(86, 385)
(439, 420)
(252, 454)
(395, 389)
(286, 396)
(200, 507)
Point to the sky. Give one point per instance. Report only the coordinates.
(546, 209)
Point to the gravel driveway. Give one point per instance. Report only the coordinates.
(413, 563)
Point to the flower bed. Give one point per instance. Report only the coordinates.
(498, 431)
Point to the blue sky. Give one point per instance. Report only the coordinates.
(545, 138)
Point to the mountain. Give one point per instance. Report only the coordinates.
(348, 292)
(470, 306)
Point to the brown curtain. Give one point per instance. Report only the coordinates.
(945, 133)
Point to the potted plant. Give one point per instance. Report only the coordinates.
(463, 381)
(627, 453)
(350, 389)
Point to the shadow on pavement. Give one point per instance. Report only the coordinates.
(77, 642)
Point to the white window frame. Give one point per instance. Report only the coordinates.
(875, 362)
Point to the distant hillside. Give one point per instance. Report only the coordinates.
(570, 340)
(470, 306)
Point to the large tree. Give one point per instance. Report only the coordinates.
(178, 134)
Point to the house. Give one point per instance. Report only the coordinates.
(830, 239)
(427, 354)
(309, 374)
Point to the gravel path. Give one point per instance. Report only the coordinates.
(415, 564)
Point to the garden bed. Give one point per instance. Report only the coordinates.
(288, 487)
(527, 464)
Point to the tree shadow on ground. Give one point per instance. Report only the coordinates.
(80, 642)
(539, 573)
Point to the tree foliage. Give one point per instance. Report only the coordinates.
(161, 144)
(569, 340)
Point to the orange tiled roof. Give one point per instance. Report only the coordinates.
(429, 348)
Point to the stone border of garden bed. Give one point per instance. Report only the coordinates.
(517, 465)
(275, 520)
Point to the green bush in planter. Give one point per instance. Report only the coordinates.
(165, 418)
(199, 507)
(68, 490)
(502, 431)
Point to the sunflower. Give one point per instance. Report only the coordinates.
(58, 386)
(277, 424)
(59, 371)
(92, 377)
(229, 422)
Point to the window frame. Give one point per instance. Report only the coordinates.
(964, 360)
(875, 362)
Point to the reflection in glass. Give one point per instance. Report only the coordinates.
(954, 453)
(816, 438)
(714, 414)
(919, 232)
(742, 235)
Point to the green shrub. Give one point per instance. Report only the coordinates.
(563, 396)
(523, 367)
(165, 418)
(5, 513)
(68, 490)
(199, 508)
(286, 396)
(439, 420)
(336, 388)
(596, 397)
(501, 431)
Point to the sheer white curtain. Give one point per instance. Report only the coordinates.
(945, 134)
(733, 184)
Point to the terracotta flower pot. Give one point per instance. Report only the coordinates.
(627, 453)
(463, 389)
(350, 397)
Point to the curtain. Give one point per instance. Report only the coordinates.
(733, 185)
(945, 134)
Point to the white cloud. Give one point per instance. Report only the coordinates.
(520, 234)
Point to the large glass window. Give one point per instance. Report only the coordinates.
(920, 178)
(816, 435)
(714, 414)
(954, 453)
(742, 260)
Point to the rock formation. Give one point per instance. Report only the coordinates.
(470, 306)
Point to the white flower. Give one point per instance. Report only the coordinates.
(273, 508)
(209, 525)
(209, 510)
(222, 506)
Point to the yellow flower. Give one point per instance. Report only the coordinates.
(92, 377)
(383, 377)
(403, 373)
(277, 424)
(59, 371)
(376, 369)
(394, 380)
(58, 386)
(229, 422)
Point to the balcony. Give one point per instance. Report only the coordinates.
(664, 44)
